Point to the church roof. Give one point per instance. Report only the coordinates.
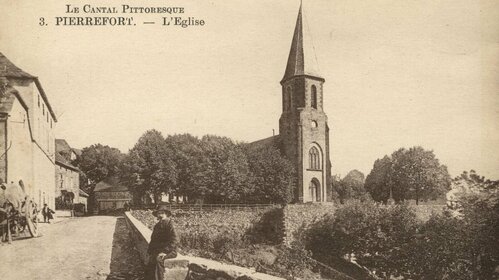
(270, 141)
(302, 59)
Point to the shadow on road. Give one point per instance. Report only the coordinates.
(125, 260)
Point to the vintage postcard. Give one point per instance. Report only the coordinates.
(264, 139)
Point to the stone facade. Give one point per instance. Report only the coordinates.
(303, 127)
(111, 195)
(27, 124)
(67, 176)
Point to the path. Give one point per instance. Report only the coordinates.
(97, 247)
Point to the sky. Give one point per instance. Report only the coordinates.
(398, 74)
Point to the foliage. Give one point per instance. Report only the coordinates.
(268, 229)
(222, 235)
(409, 174)
(99, 162)
(374, 236)
(191, 164)
(148, 167)
(378, 182)
(227, 174)
(390, 242)
(350, 187)
(212, 169)
(273, 176)
(462, 246)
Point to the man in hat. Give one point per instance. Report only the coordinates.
(47, 213)
(162, 245)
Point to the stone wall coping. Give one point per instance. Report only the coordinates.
(210, 264)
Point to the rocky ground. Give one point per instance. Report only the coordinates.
(97, 247)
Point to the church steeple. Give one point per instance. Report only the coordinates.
(303, 128)
(302, 59)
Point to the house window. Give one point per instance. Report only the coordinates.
(38, 101)
(43, 109)
(314, 97)
(314, 158)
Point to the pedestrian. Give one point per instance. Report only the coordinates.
(163, 244)
(47, 213)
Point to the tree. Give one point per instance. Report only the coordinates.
(191, 164)
(378, 183)
(272, 175)
(408, 174)
(149, 167)
(350, 187)
(99, 162)
(375, 236)
(462, 246)
(227, 173)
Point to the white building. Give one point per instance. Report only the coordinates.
(27, 122)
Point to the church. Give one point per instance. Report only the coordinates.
(303, 129)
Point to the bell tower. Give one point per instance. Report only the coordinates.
(303, 127)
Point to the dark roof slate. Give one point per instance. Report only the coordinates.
(8, 69)
(302, 59)
(61, 160)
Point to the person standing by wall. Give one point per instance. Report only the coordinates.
(163, 244)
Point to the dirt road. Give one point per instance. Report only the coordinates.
(97, 247)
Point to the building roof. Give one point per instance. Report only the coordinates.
(9, 70)
(111, 184)
(269, 141)
(61, 160)
(62, 145)
(82, 193)
(302, 59)
(78, 152)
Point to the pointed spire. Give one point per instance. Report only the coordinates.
(302, 59)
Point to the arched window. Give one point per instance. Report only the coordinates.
(314, 158)
(314, 97)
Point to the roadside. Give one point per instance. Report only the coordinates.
(97, 247)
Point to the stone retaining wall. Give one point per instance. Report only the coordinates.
(298, 216)
(189, 267)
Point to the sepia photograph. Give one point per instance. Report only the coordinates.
(249, 140)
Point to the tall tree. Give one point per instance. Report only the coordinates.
(408, 174)
(227, 174)
(378, 182)
(273, 176)
(350, 187)
(418, 174)
(149, 167)
(99, 162)
(191, 164)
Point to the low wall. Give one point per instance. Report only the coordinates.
(298, 216)
(177, 269)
